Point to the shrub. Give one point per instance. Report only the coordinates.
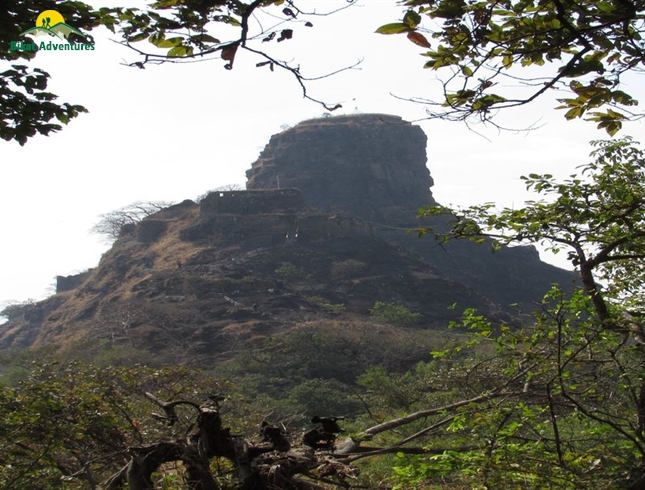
(290, 272)
(347, 268)
(394, 314)
(325, 305)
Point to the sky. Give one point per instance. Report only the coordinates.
(172, 132)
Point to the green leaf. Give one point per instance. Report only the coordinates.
(574, 113)
(227, 19)
(623, 98)
(449, 9)
(165, 4)
(394, 28)
(411, 19)
(605, 7)
(139, 37)
(507, 61)
(179, 51)
(157, 37)
(62, 117)
(204, 38)
(169, 43)
(612, 127)
(486, 101)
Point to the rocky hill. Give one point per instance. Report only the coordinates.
(317, 239)
(373, 166)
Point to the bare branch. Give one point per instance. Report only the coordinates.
(112, 224)
(392, 424)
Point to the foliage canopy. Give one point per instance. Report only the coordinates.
(176, 31)
(584, 48)
(68, 425)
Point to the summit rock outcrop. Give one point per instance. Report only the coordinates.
(372, 166)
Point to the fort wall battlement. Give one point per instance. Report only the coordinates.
(252, 202)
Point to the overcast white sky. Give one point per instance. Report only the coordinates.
(173, 132)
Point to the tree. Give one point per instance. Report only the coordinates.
(597, 216)
(346, 269)
(552, 404)
(113, 223)
(290, 272)
(584, 48)
(177, 32)
(560, 402)
(200, 30)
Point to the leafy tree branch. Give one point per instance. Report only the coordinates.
(178, 32)
(482, 44)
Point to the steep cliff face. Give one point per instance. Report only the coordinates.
(373, 166)
(370, 165)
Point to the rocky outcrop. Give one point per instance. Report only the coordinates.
(372, 166)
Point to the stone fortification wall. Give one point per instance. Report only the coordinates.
(252, 202)
(67, 283)
(176, 211)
